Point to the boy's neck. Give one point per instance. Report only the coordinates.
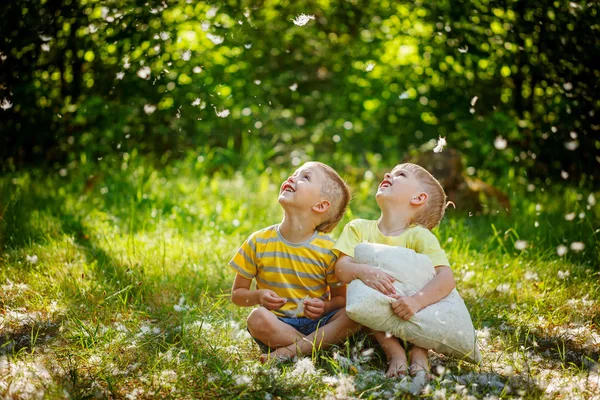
(296, 229)
(393, 224)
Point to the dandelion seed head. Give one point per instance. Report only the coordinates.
(570, 216)
(149, 108)
(520, 244)
(302, 19)
(144, 72)
(223, 113)
(441, 143)
(215, 38)
(563, 274)
(5, 104)
(572, 145)
(503, 288)
(577, 246)
(500, 143)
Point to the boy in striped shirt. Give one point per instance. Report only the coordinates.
(301, 301)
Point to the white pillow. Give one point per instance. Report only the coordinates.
(444, 327)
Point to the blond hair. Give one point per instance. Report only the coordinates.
(337, 192)
(431, 213)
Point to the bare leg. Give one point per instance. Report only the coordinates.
(419, 360)
(264, 326)
(396, 355)
(339, 327)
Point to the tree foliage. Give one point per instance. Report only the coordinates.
(506, 82)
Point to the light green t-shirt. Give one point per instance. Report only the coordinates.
(417, 238)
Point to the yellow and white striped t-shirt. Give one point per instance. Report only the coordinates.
(292, 270)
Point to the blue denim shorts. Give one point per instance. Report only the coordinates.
(304, 325)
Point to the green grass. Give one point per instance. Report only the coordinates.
(118, 286)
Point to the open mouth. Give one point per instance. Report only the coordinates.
(287, 188)
(385, 184)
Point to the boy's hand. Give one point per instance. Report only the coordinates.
(314, 308)
(405, 306)
(378, 280)
(270, 300)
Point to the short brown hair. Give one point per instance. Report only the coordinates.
(434, 208)
(338, 193)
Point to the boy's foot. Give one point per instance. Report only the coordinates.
(419, 362)
(281, 354)
(396, 367)
(418, 370)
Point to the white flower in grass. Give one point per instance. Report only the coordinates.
(304, 367)
(468, 276)
(531, 276)
(165, 35)
(31, 259)
(464, 49)
(293, 87)
(370, 67)
(591, 200)
(95, 360)
(563, 274)
(577, 246)
(474, 100)
(404, 96)
(302, 19)
(570, 216)
(561, 250)
(345, 386)
(186, 55)
(441, 143)
(243, 380)
(120, 75)
(520, 245)
(168, 376)
(503, 288)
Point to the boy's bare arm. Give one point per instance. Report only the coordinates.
(337, 301)
(243, 296)
(346, 270)
(435, 290)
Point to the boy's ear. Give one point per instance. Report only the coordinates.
(322, 206)
(420, 199)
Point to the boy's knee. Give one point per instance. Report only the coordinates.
(260, 319)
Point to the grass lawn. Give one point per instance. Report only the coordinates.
(114, 284)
